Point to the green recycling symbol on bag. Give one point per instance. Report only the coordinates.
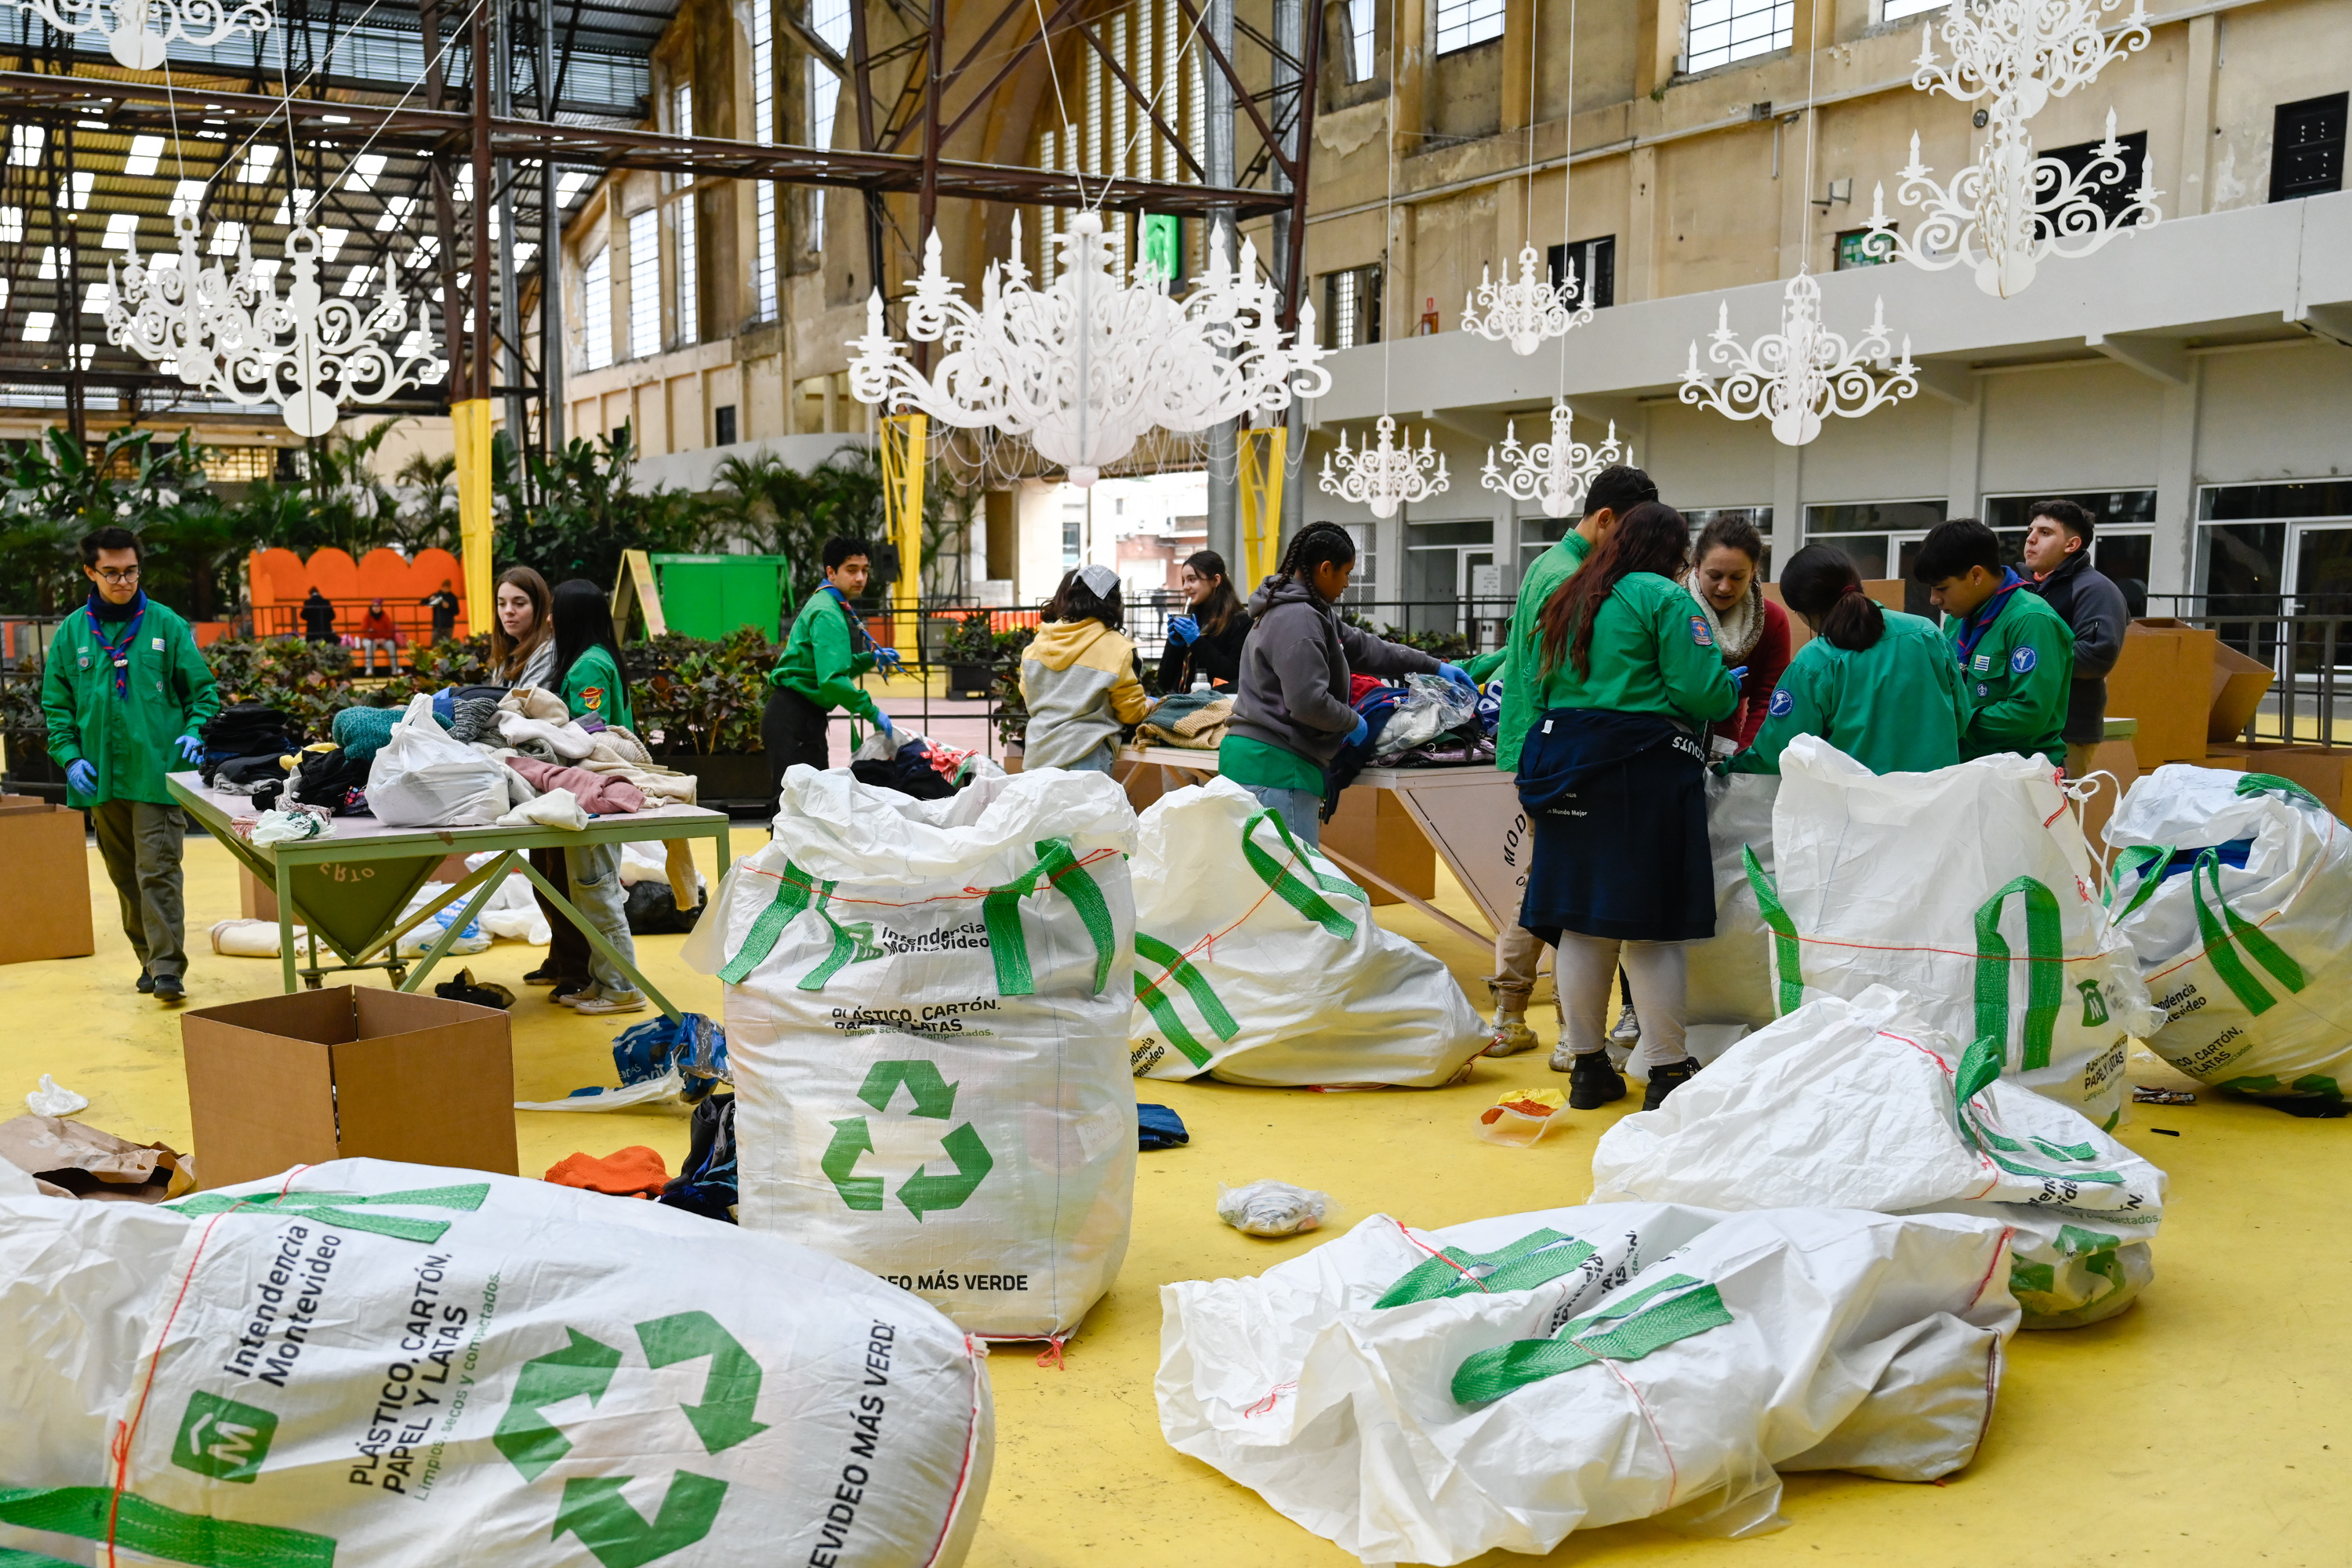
(607, 1524)
(924, 1191)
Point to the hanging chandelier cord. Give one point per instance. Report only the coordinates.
(1061, 100)
(1566, 193)
(1151, 106)
(1812, 119)
(1388, 215)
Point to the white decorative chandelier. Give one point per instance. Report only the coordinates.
(1385, 477)
(1526, 312)
(1086, 366)
(137, 30)
(1554, 473)
(2022, 53)
(227, 334)
(1804, 373)
(2011, 210)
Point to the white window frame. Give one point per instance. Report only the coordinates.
(644, 284)
(764, 131)
(1725, 32)
(596, 309)
(1466, 23)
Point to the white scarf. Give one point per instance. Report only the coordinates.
(1737, 633)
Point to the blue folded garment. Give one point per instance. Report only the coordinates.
(1157, 1127)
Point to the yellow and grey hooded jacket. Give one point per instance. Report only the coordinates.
(1079, 682)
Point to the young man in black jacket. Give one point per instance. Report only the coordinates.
(2058, 566)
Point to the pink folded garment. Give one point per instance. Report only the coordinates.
(599, 792)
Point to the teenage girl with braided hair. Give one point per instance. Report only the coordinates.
(1879, 684)
(1292, 714)
(1613, 777)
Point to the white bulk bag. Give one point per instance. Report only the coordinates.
(925, 1014)
(1258, 963)
(425, 778)
(2235, 890)
(373, 1365)
(1731, 971)
(1970, 890)
(1859, 1105)
(1472, 1411)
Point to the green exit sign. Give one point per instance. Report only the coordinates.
(1163, 245)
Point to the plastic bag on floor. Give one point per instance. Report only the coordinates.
(249, 939)
(926, 1018)
(1258, 963)
(428, 931)
(1970, 890)
(1427, 1396)
(423, 778)
(1860, 1105)
(2235, 891)
(1731, 971)
(395, 1364)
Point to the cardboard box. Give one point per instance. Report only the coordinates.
(46, 849)
(1372, 828)
(2239, 685)
(355, 1070)
(2233, 757)
(2164, 680)
(2325, 771)
(1887, 591)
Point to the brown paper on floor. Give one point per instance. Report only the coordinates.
(71, 1161)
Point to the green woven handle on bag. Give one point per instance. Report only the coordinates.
(1785, 951)
(2045, 971)
(1980, 1065)
(152, 1530)
(1290, 887)
(1649, 1325)
(2265, 783)
(1536, 1259)
(2225, 930)
(792, 897)
(1154, 996)
(1057, 872)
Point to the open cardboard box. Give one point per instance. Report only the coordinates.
(46, 849)
(355, 1070)
(2164, 680)
(2240, 684)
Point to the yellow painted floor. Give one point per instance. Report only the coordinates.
(2199, 1428)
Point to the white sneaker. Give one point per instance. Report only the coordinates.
(1628, 1031)
(605, 1001)
(1511, 1037)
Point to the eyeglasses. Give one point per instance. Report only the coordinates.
(124, 575)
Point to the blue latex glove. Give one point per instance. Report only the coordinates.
(1739, 672)
(1183, 629)
(1363, 727)
(192, 750)
(82, 774)
(1459, 676)
(882, 720)
(887, 660)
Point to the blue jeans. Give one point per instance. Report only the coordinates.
(1302, 809)
(1101, 759)
(597, 892)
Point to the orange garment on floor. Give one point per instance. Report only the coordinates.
(635, 1171)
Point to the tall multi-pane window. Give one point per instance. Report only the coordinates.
(1895, 10)
(1363, 33)
(1718, 32)
(1463, 22)
(829, 19)
(644, 283)
(683, 218)
(1049, 219)
(764, 131)
(1171, 88)
(1118, 101)
(596, 309)
(1111, 133)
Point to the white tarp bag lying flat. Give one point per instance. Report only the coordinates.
(425, 778)
(1427, 1396)
(926, 1014)
(1258, 963)
(1970, 889)
(367, 1365)
(1731, 971)
(1859, 1105)
(2235, 890)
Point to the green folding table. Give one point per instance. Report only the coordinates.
(347, 888)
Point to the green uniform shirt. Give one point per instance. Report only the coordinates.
(1247, 760)
(1522, 660)
(818, 662)
(131, 739)
(1895, 707)
(2017, 678)
(593, 685)
(1653, 652)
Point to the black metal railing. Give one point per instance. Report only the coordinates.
(2307, 649)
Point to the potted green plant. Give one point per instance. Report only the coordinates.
(971, 649)
(697, 705)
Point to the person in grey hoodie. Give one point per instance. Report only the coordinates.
(1292, 715)
(2058, 560)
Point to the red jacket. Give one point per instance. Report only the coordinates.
(1765, 662)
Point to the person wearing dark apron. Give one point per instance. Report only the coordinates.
(1613, 778)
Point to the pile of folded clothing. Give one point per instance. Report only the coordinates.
(1195, 721)
(242, 745)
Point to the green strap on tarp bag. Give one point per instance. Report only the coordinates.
(1291, 888)
(792, 895)
(1162, 1007)
(1980, 1065)
(2225, 930)
(1650, 1324)
(1786, 953)
(1058, 870)
(2045, 983)
(152, 1530)
(1537, 1258)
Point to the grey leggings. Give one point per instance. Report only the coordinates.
(1659, 973)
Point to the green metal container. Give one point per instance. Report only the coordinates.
(710, 596)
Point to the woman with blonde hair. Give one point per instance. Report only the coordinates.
(522, 633)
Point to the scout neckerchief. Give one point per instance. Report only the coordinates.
(118, 651)
(856, 625)
(1972, 632)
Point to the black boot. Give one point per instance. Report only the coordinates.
(1665, 1080)
(1592, 1083)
